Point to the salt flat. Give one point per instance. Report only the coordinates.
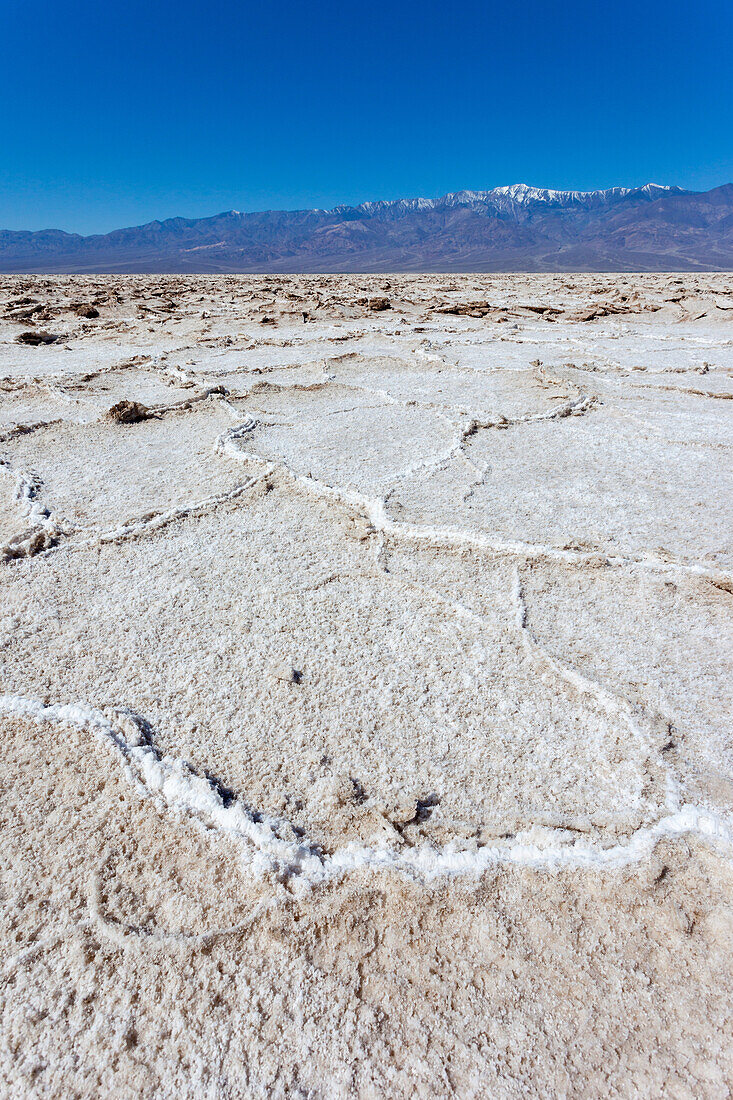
(366, 686)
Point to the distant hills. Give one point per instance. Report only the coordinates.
(517, 228)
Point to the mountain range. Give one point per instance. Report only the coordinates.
(516, 228)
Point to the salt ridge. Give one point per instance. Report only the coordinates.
(267, 848)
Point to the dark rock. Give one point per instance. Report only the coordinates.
(466, 309)
(36, 338)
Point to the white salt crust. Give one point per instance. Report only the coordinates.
(266, 851)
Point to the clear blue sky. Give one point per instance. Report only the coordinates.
(115, 113)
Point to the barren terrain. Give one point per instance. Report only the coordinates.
(366, 686)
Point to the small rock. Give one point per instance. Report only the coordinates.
(128, 412)
(36, 338)
(376, 305)
(86, 311)
(466, 309)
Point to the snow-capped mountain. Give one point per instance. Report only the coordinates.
(511, 198)
(510, 228)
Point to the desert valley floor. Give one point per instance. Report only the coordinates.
(366, 686)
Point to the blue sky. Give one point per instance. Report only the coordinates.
(114, 114)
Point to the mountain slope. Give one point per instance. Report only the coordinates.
(505, 229)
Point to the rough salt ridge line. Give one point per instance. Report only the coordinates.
(43, 530)
(611, 702)
(374, 510)
(44, 533)
(374, 857)
(571, 407)
(156, 521)
(267, 848)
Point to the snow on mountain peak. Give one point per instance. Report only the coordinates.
(509, 198)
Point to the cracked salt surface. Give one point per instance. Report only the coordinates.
(363, 609)
(304, 865)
